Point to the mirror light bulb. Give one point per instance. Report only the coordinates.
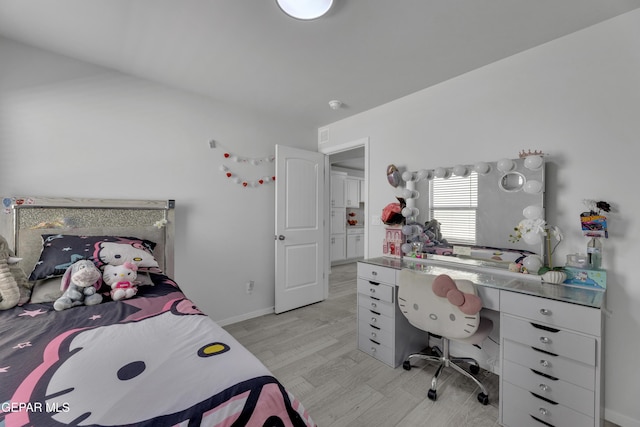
(460, 170)
(441, 173)
(506, 165)
(532, 263)
(532, 187)
(482, 168)
(533, 163)
(407, 176)
(533, 212)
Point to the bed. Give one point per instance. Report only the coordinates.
(153, 359)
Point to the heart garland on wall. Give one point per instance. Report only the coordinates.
(253, 161)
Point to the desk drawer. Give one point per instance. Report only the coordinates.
(557, 390)
(557, 366)
(490, 297)
(556, 313)
(376, 289)
(376, 273)
(568, 344)
(519, 407)
(376, 305)
(382, 336)
(376, 349)
(376, 319)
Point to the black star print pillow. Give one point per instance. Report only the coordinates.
(59, 251)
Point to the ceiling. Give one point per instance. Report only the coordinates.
(249, 54)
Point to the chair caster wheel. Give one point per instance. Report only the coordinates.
(482, 398)
(406, 365)
(474, 369)
(432, 395)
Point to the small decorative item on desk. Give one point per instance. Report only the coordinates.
(531, 230)
(392, 242)
(554, 276)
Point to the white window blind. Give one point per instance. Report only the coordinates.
(454, 202)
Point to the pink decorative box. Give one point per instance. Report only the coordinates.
(393, 240)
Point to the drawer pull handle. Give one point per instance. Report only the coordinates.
(545, 312)
(373, 305)
(545, 363)
(373, 291)
(374, 273)
(544, 387)
(543, 411)
(374, 320)
(373, 335)
(545, 340)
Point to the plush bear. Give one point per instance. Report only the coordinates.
(432, 230)
(121, 278)
(80, 284)
(14, 287)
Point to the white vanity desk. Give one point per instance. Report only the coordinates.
(551, 343)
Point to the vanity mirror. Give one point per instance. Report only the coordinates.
(478, 205)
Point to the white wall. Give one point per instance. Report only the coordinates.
(70, 129)
(577, 99)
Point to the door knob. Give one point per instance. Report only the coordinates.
(281, 237)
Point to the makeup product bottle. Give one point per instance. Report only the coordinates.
(594, 252)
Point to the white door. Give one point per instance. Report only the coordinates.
(299, 228)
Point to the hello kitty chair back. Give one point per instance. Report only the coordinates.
(439, 304)
(450, 310)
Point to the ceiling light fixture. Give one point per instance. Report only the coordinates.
(305, 9)
(335, 104)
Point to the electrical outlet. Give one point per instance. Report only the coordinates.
(250, 284)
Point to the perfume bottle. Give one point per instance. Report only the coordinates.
(594, 253)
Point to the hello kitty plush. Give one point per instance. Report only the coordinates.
(121, 278)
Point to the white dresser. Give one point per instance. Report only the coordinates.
(383, 331)
(551, 355)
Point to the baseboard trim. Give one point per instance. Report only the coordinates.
(246, 316)
(620, 419)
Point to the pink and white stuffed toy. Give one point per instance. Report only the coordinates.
(121, 278)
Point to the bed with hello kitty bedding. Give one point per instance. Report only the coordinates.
(150, 360)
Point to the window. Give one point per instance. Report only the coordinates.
(454, 202)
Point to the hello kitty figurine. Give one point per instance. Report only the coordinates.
(121, 278)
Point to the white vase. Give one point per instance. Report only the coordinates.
(553, 276)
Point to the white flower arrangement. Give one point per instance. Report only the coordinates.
(531, 232)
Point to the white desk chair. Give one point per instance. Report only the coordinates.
(449, 309)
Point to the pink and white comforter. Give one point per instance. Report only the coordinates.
(153, 360)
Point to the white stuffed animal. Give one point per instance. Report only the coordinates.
(121, 278)
(80, 283)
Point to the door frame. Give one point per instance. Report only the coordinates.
(334, 149)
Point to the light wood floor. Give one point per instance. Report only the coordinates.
(312, 351)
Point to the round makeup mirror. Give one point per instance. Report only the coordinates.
(512, 182)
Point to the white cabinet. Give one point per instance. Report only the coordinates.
(338, 220)
(338, 247)
(551, 362)
(383, 331)
(355, 243)
(338, 189)
(338, 238)
(352, 192)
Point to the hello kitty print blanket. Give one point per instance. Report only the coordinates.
(153, 360)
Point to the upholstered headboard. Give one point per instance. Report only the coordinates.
(26, 219)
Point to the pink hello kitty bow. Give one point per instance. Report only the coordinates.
(444, 286)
